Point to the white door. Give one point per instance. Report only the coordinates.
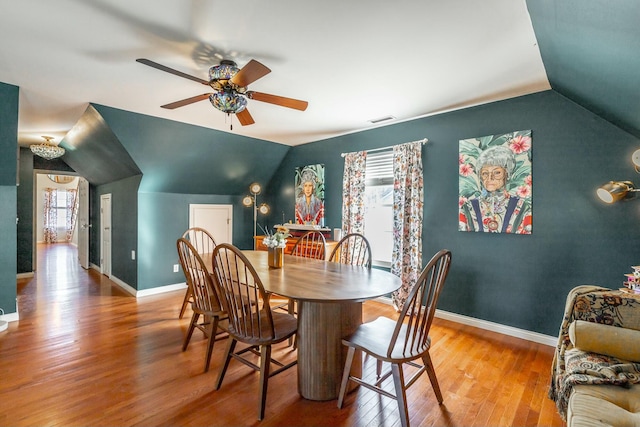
(83, 223)
(105, 234)
(216, 219)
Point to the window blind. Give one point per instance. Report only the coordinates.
(379, 168)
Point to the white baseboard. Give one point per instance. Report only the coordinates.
(491, 326)
(127, 288)
(161, 290)
(11, 317)
(145, 292)
(25, 275)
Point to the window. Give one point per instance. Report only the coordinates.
(378, 217)
(61, 208)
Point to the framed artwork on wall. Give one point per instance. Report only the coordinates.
(495, 183)
(309, 193)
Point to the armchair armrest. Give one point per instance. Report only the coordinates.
(618, 342)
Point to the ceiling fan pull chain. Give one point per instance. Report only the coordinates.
(230, 121)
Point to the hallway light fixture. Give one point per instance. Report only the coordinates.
(47, 150)
(252, 200)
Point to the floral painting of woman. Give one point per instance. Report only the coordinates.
(495, 184)
(310, 195)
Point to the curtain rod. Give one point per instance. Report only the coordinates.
(424, 141)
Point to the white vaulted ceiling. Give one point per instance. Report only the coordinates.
(352, 61)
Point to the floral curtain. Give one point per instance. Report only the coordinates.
(50, 215)
(353, 187)
(72, 209)
(406, 260)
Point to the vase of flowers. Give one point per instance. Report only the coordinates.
(275, 244)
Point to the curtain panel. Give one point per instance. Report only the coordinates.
(353, 186)
(50, 215)
(406, 259)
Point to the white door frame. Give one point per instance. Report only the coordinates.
(82, 223)
(105, 234)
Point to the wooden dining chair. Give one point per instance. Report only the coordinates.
(352, 249)
(251, 319)
(401, 341)
(204, 298)
(204, 243)
(311, 244)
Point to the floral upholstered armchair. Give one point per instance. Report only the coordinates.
(595, 376)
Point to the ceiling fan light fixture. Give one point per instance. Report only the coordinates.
(47, 150)
(228, 102)
(225, 71)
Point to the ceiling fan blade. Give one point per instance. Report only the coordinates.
(279, 100)
(171, 71)
(184, 102)
(250, 73)
(245, 118)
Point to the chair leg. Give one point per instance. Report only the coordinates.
(187, 296)
(378, 368)
(426, 359)
(231, 345)
(213, 327)
(345, 375)
(192, 326)
(291, 308)
(265, 364)
(401, 395)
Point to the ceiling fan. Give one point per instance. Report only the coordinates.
(230, 85)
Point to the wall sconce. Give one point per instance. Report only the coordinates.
(252, 200)
(635, 158)
(614, 191)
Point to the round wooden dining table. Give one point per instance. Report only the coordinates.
(329, 298)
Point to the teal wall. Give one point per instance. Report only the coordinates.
(163, 218)
(124, 227)
(180, 164)
(8, 195)
(515, 280)
(25, 213)
(185, 159)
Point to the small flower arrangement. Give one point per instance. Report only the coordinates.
(277, 239)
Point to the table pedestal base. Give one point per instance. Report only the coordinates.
(321, 355)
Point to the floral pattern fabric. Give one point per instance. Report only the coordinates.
(572, 366)
(408, 199)
(50, 215)
(72, 210)
(353, 191)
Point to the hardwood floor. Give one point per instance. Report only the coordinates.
(85, 353)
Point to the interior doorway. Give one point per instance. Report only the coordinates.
(55, 207)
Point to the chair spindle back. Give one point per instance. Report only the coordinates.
(311, 244)
(352, 249)
(243, 295)
(420, 306)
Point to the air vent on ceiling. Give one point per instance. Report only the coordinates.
(381, 119)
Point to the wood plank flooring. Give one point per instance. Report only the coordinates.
(85, 353)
